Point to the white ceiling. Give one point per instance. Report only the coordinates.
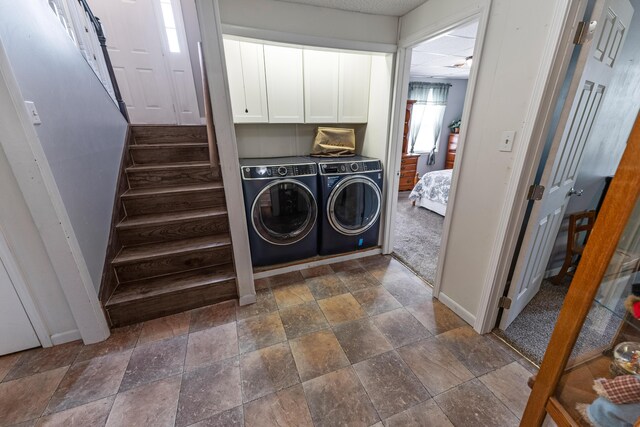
(375, 7)
(436, 57)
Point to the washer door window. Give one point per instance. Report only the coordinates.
(354, 205)
(284, 212)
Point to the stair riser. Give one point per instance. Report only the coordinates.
(172, 264)
(169, 177)
(174, 231)
(170, 154)
(170, 135)
(174, 202)
(164, 305)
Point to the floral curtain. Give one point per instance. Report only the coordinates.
(428, 112)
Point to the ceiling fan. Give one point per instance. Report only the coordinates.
(464, 64)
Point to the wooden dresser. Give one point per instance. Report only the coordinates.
(408, 167)
(451, 150)
(409, 162)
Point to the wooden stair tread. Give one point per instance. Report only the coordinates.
(164, 285)
(169, 217)
(156, 191)
(167, 166)
(149, 251)
(169, 145)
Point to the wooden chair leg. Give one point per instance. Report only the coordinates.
(559, 278)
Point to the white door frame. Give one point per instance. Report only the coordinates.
(556, 58)
(213, 53)
(401, 89)
(20, 285)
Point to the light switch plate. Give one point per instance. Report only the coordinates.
(33, 113)
(506, 144)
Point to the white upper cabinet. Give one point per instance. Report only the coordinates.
(279, 84)
(285, 84)
(321, 70)
(247, 86)
(353, 99)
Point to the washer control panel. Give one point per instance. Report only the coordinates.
(278, 171)
(340, 168)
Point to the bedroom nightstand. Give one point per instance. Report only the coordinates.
(451, 150)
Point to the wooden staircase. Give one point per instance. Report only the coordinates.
(175, 246)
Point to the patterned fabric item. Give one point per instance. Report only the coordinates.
(433, 186)
(620, 390)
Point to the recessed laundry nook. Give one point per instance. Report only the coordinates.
(312, 131)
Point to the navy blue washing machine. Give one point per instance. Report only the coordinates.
(350, 194)
(280, 197)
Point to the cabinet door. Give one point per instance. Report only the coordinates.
(321, 86)
(353, 99)
(285, 87)
(245, 70)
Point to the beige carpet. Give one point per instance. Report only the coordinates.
(418, 233)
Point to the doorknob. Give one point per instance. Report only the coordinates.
(574, 192)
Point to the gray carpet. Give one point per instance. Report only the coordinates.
(531, 331)
(417, 237)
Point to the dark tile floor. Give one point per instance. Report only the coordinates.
(355, 343)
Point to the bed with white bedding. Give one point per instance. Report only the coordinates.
(432, 191)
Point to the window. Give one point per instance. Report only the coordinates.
(427, 115)
(170, 26)
(428, 133)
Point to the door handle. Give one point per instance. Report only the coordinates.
(574, 192)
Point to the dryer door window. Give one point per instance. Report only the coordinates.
(354, 205)
(284, 212)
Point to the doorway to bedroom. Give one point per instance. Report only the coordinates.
(439, 73)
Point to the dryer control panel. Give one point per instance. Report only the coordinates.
(278, 171)
(343, 168)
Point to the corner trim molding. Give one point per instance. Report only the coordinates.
(457, 308)
(65, 337)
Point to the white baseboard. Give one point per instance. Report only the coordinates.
(65, 337)
(457, 309)
(315, 263)
(247, 299)
(552, 272)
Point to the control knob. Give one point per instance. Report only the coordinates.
(282, 171)
(354, 167)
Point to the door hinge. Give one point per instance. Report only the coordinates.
(535, 192)
(585, 32)
(505, 302)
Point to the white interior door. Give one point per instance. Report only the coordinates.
(16, 331)
(561, 169)
(148, 50)
(178, 61)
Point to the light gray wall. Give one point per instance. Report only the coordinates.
(308, 23)
(455, 105)
(609, 135)
(265, 140)
(82, 131)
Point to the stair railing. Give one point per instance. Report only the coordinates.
(211, 135)
(104, 62)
